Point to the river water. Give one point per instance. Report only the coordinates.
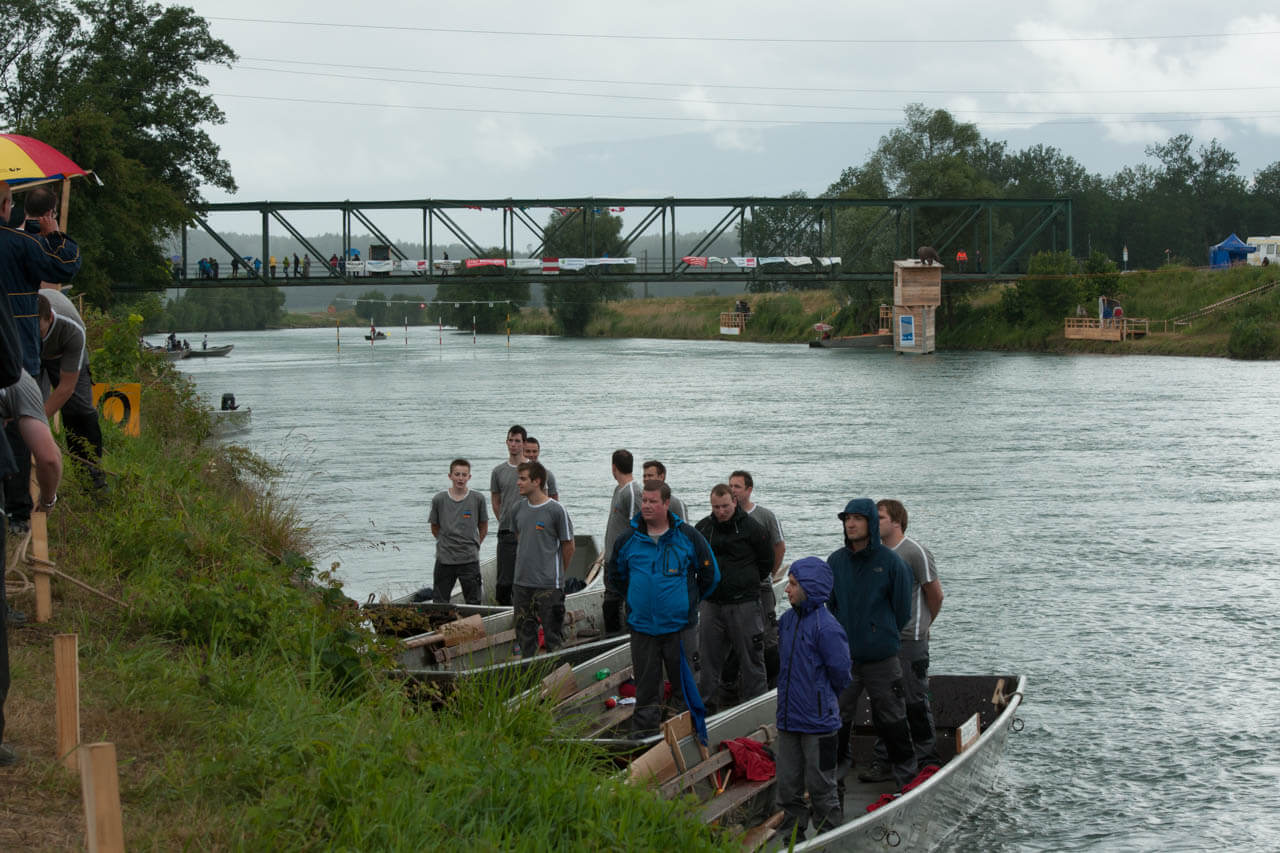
(1106, 526)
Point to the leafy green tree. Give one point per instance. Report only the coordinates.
(215, 309)
(582, 234)
(117, 86)
(373, 305)
(781, 231)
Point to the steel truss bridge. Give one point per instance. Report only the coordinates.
(864, 233)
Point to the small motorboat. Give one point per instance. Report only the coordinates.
(229, 418)
(210, 352)
(376, 336)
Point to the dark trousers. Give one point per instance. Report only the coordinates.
(4, 636)
(807, 762)
(652, 657)
(536, 606)
(17, 486)
(731, 627)
(506, 567)
(447, 574)
(914, 658)
(84, 435)
(613, 606)
(882, 679)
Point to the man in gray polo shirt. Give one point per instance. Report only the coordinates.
(459, 521)
(926, 601)
(545, 536)
(623, 508)
(68, 381)
(742, 485)
(655, 470)
(22, 402)
(532, 449)
(504, 495)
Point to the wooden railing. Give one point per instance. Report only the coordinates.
(1112, 329)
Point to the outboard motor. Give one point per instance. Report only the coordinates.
(229, 402)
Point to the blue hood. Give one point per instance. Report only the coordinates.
(815, 578)
(864, 507)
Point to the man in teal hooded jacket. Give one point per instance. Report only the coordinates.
(871, 598)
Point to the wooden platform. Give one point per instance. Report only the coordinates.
(1093, 329)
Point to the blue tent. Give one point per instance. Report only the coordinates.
(1230, 251)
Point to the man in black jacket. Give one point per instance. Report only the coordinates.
(730, 618)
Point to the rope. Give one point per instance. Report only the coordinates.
(18, 554)
(16, 587)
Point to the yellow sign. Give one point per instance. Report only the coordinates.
(121, 403)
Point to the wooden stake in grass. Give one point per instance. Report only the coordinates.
(40, 558)
(100, 787)
(66, 670)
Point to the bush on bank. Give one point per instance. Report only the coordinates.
(250, 708)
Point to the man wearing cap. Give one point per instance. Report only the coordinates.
(871, 598)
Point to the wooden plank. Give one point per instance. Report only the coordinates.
(696, 774)
(732, 798)
(597, 688)
(447, 654)
(680, 726)
(100, 790)
(967, 733)
(441, 635)
(997, 695)
(610, 719)
(756, 837)
(66, 678)
(560, 684)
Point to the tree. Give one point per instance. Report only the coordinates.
(213, 309)
(117, 86)
(582, 233)
(372, 305)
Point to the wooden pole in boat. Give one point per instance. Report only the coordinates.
(66, 669)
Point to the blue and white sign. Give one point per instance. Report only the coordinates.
(906, 330)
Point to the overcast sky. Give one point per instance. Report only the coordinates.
(394, 100)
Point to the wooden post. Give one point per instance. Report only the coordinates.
(66, 678)
(100, 787)
(40, 555)
(66, 203)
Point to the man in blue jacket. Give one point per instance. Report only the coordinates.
(662, 568)
(871, 598)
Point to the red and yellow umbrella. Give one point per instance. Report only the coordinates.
(24, 160)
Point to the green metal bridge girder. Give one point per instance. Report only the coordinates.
(1004, 230)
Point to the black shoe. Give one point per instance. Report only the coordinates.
(15, 617)
(7, 756)
(877, 772)
(19, 526)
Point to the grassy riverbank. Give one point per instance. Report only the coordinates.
(248, 709)
(981, 320)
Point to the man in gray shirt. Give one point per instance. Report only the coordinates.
(68, 382)
(623, 508)
(22, 402)
(504, 494)
(459, 521)
(545, 536)
(655, 470)
(532, 449)
(913, 653)
(742, 485)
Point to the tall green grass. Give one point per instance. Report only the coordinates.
(250, 707)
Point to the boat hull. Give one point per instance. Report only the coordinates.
(854, 342)
(211, 352)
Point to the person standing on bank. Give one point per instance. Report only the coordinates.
(623, 507)
(730, 618)
(459, 521)
(655, 470)
(871, 598)
(913, 653)
(69, 381)
(663, 568)
(545, 550)
(503, 495)
(29, 255)
(815, 669)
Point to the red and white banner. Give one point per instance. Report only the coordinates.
(745, 263)
(694, 261)
(472, 263)
(550, 266)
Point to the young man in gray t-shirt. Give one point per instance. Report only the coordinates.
(504, 495)
(22, 402)
(459, 521)
(543, 553)
(68, 381)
